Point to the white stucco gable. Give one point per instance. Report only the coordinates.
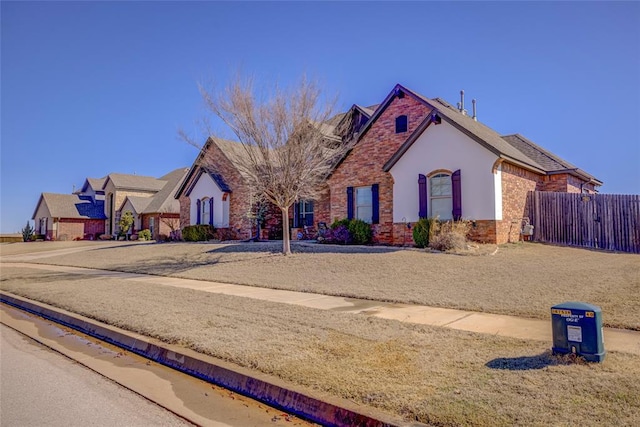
(444, 147)
(205, 188)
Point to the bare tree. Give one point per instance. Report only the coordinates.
(290, 144)
(168, 218)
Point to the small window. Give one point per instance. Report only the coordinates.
(364, 204)
(401, 124)
(152, 225)
(305, 213)
(204, 211)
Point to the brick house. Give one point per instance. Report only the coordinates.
(419, 157)
(118, 186)
(216, 192)
(69, 216)
(159, 213)
(414, 157)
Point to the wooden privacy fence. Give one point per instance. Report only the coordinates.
(603, 221)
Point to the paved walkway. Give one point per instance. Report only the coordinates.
(508, 326)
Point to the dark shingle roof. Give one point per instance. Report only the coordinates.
(72, 206)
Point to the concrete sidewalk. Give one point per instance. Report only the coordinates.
(509, 326)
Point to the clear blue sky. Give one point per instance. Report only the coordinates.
(90, 88)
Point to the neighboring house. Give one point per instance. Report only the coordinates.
(69, 216)
(215, 192)
(419, 157)
(117, 187)
(159, 213)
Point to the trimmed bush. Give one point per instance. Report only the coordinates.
(348, 232)
(144, 234)
(198, 233)
(361, 233)
(422, 231)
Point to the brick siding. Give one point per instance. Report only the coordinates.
(76, 229)
(363, 166)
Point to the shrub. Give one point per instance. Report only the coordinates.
(198, 233)
(144, 234)
(341, 235)
(361, 233)
(422, 231)
(27, 232)
(337, 223)
(450, 235)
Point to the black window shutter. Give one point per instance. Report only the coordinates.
(457, 195)
(198, 214)
(296, 214)
(349, 202)
(211, 211)
(422, 196)
(375, 204)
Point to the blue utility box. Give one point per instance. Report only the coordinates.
(577, 328)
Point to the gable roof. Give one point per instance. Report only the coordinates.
(72, 206)
(95, 183)
(139, 203)
(233, 152)
(163, 200)
(134, 182)
(513, 148)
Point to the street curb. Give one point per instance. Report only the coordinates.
(314, 406)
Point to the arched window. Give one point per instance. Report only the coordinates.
(204, 211)
(441, 196)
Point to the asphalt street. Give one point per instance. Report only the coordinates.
(43, 388)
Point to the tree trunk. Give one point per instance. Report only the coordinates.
(286, 241)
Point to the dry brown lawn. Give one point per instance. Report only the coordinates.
(433, 375)
(519, 279)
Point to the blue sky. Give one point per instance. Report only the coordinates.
(90, 88)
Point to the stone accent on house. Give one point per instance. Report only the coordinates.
(363, 166)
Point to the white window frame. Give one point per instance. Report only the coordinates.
(433, 180)
(361, 208)
(205, 210)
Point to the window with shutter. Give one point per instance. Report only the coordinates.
(440, 196)
(364, 204)
(198, 211)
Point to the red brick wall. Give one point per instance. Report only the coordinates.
(516, 184)
(77, 229)
(363, 166)
(161, 224)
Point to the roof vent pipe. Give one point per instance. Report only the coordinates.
(473, 102)
(462, 102)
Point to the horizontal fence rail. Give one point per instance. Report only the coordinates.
(602, 221)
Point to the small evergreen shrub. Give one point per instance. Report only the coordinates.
(144, 234)
(198, 233)
(422, 231)
(361, 233)
(27, 232)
